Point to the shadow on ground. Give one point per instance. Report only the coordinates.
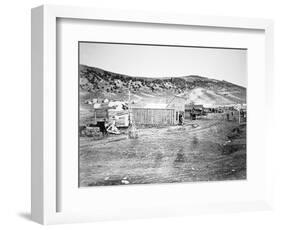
(25, 215)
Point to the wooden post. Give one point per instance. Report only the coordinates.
(132, 131)
(239, 115)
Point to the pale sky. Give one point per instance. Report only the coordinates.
(167, 61)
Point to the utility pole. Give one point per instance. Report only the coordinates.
(129, 105)
(239, 116)
(132, 131)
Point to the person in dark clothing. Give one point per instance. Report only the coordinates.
(101, 125)
(180, 119)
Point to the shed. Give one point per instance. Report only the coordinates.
(110, 112)
(153, 116)
(192, 111)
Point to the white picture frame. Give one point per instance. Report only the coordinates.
(46, 183)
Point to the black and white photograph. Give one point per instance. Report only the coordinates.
(151, 114)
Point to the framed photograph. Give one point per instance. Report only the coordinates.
(138, 114)
(143, 120)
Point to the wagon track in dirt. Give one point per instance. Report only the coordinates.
(162, 155)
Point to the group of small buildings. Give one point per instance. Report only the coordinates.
(171, 112)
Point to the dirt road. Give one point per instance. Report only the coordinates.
(198, 151)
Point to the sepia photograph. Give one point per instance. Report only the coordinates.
(151, 114)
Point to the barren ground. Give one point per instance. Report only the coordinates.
(165, 155)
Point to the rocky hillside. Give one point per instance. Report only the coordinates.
(99, 83)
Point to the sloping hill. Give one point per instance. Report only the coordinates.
(99, 83)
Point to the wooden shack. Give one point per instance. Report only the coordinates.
(153, 116)
(193, 111)
(100, 114)
(108, 114)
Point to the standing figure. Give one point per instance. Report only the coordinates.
(180, 119)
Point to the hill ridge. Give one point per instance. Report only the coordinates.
(100, 83)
